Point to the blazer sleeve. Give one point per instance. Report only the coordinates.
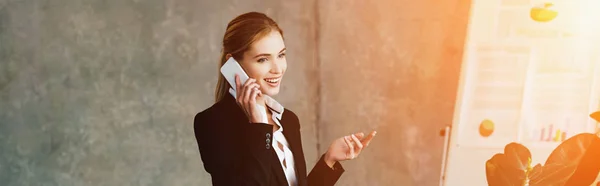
(233, 157)
(324, 175)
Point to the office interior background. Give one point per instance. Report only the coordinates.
(104, 92)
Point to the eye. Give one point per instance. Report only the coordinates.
(261, 60)
(281, 55)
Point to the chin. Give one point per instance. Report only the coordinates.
(271, 91)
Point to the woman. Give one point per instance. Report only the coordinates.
(246, 137)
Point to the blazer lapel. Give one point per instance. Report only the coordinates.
(291, 132)
(278, 170)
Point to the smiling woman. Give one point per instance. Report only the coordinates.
(241, 138)
(245, 31)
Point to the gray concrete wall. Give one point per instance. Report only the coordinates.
(104, 92)
(390, 66)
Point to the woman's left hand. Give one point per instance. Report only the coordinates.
(347, 147)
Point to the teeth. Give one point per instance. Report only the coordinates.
(272, 80)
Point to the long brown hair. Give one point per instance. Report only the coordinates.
(241, 32)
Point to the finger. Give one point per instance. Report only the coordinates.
(237, 83)
(253, 97)
(259, 95)
(368, 139)
(350, 146)
(245, 89)
(238, 89)
(359, 135)
(248, 94)
(249, 82)
(244, 86)
(359, 145)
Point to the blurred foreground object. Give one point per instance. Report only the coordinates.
(574, 162)
(543, 13)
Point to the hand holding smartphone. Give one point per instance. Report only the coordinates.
(249, 91)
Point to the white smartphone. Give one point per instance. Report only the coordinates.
(230, 68)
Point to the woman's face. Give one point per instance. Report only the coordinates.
(265, 62)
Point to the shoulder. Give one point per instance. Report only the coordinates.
(291, 117)
(213, 112)
(208, 116)
(290, 114)
(218, 116)
(204, 117)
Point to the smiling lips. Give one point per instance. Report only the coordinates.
(273, 81)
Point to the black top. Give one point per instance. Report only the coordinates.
(236, 152)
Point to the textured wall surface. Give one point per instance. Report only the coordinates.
(390, 66)
(104, 92)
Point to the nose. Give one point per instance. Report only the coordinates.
(276, 66)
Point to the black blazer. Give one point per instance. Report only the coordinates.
(236, 152)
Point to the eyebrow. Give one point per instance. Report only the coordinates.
(265, 54)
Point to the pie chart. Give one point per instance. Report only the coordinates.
(486, 128)
(543, 13)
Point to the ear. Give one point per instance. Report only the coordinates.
(227, 57)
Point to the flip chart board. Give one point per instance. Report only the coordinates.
(523, 81)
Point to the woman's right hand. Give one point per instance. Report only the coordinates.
(248, 95)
